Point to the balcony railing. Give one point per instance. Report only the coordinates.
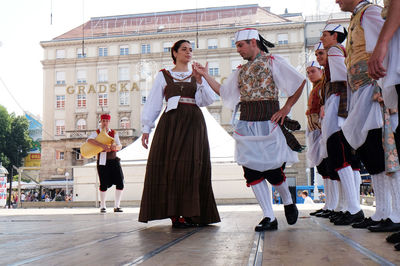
(79, 134)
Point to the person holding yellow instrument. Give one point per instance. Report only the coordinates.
(108, 165)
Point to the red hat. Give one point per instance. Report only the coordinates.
(105, 116)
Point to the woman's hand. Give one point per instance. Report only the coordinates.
(199, 69)
(145, 140)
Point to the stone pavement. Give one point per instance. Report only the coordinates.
(83, 236)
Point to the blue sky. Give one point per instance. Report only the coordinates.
(24, 23)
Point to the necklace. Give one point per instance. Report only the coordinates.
(181, 76)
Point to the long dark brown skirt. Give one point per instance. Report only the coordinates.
(178, 173)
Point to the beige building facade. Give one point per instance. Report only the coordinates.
(108, 64)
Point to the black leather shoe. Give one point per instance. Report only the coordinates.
(267, 225)
(397, 246)
(326, 214)
(348, 218)
(335, 216)
(393, 238)
(103, 210)
(322, 213)
(385, 226)
(118, 210)
(291, 213)
(365, 223)
(316, 212)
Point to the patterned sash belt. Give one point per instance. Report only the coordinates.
(338, 88)
(263, 111)
(357, 75)
(187, 100)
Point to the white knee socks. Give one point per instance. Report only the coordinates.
(395, 189)
(349, 189)
(327, 197)
(283, 190)
(102, 199)
(261, 191)
(118, 197)
(357, 182)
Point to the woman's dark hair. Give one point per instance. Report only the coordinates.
(340, 36)
(263, 44)
(175, 48)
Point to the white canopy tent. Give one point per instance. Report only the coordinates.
(227, 176)
(222, 145)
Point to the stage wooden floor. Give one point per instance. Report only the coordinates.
(86, 237)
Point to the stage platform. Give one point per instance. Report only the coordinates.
(83, 236)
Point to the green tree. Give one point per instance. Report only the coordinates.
(14, 139)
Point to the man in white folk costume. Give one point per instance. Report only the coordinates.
(263, 143)
(385, 63)
(370, 125)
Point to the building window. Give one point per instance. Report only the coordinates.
(102, 99)
(233, 44)
(283, 39)
(212, 43)
(60, 54)
(146, 48)
(80, 54)
(60, 127)
(167, 47)
(213, 69)
(102, 75)
(60, 77)
(124, 98)
(124, 123)
(81, 100)
(59, 155)
(235, 64)
(193, 44)
(124, 50)
(77, 153)
(123, 73)
(81, 76)
(81, 124)
(103, 51)
(143, 97)
(60, 101)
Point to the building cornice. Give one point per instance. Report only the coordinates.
(167, 35)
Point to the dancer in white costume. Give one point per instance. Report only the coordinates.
(365, 125)
(338, 151)
(384, 63)
(263, 144)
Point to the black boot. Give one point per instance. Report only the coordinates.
(267, 225)
(397, 246)
(291, 213)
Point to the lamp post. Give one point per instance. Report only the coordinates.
(66, 184)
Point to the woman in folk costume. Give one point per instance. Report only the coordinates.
(369, 126)
(178, 173)
(263, 143)
(337, 149)
(108, 165)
